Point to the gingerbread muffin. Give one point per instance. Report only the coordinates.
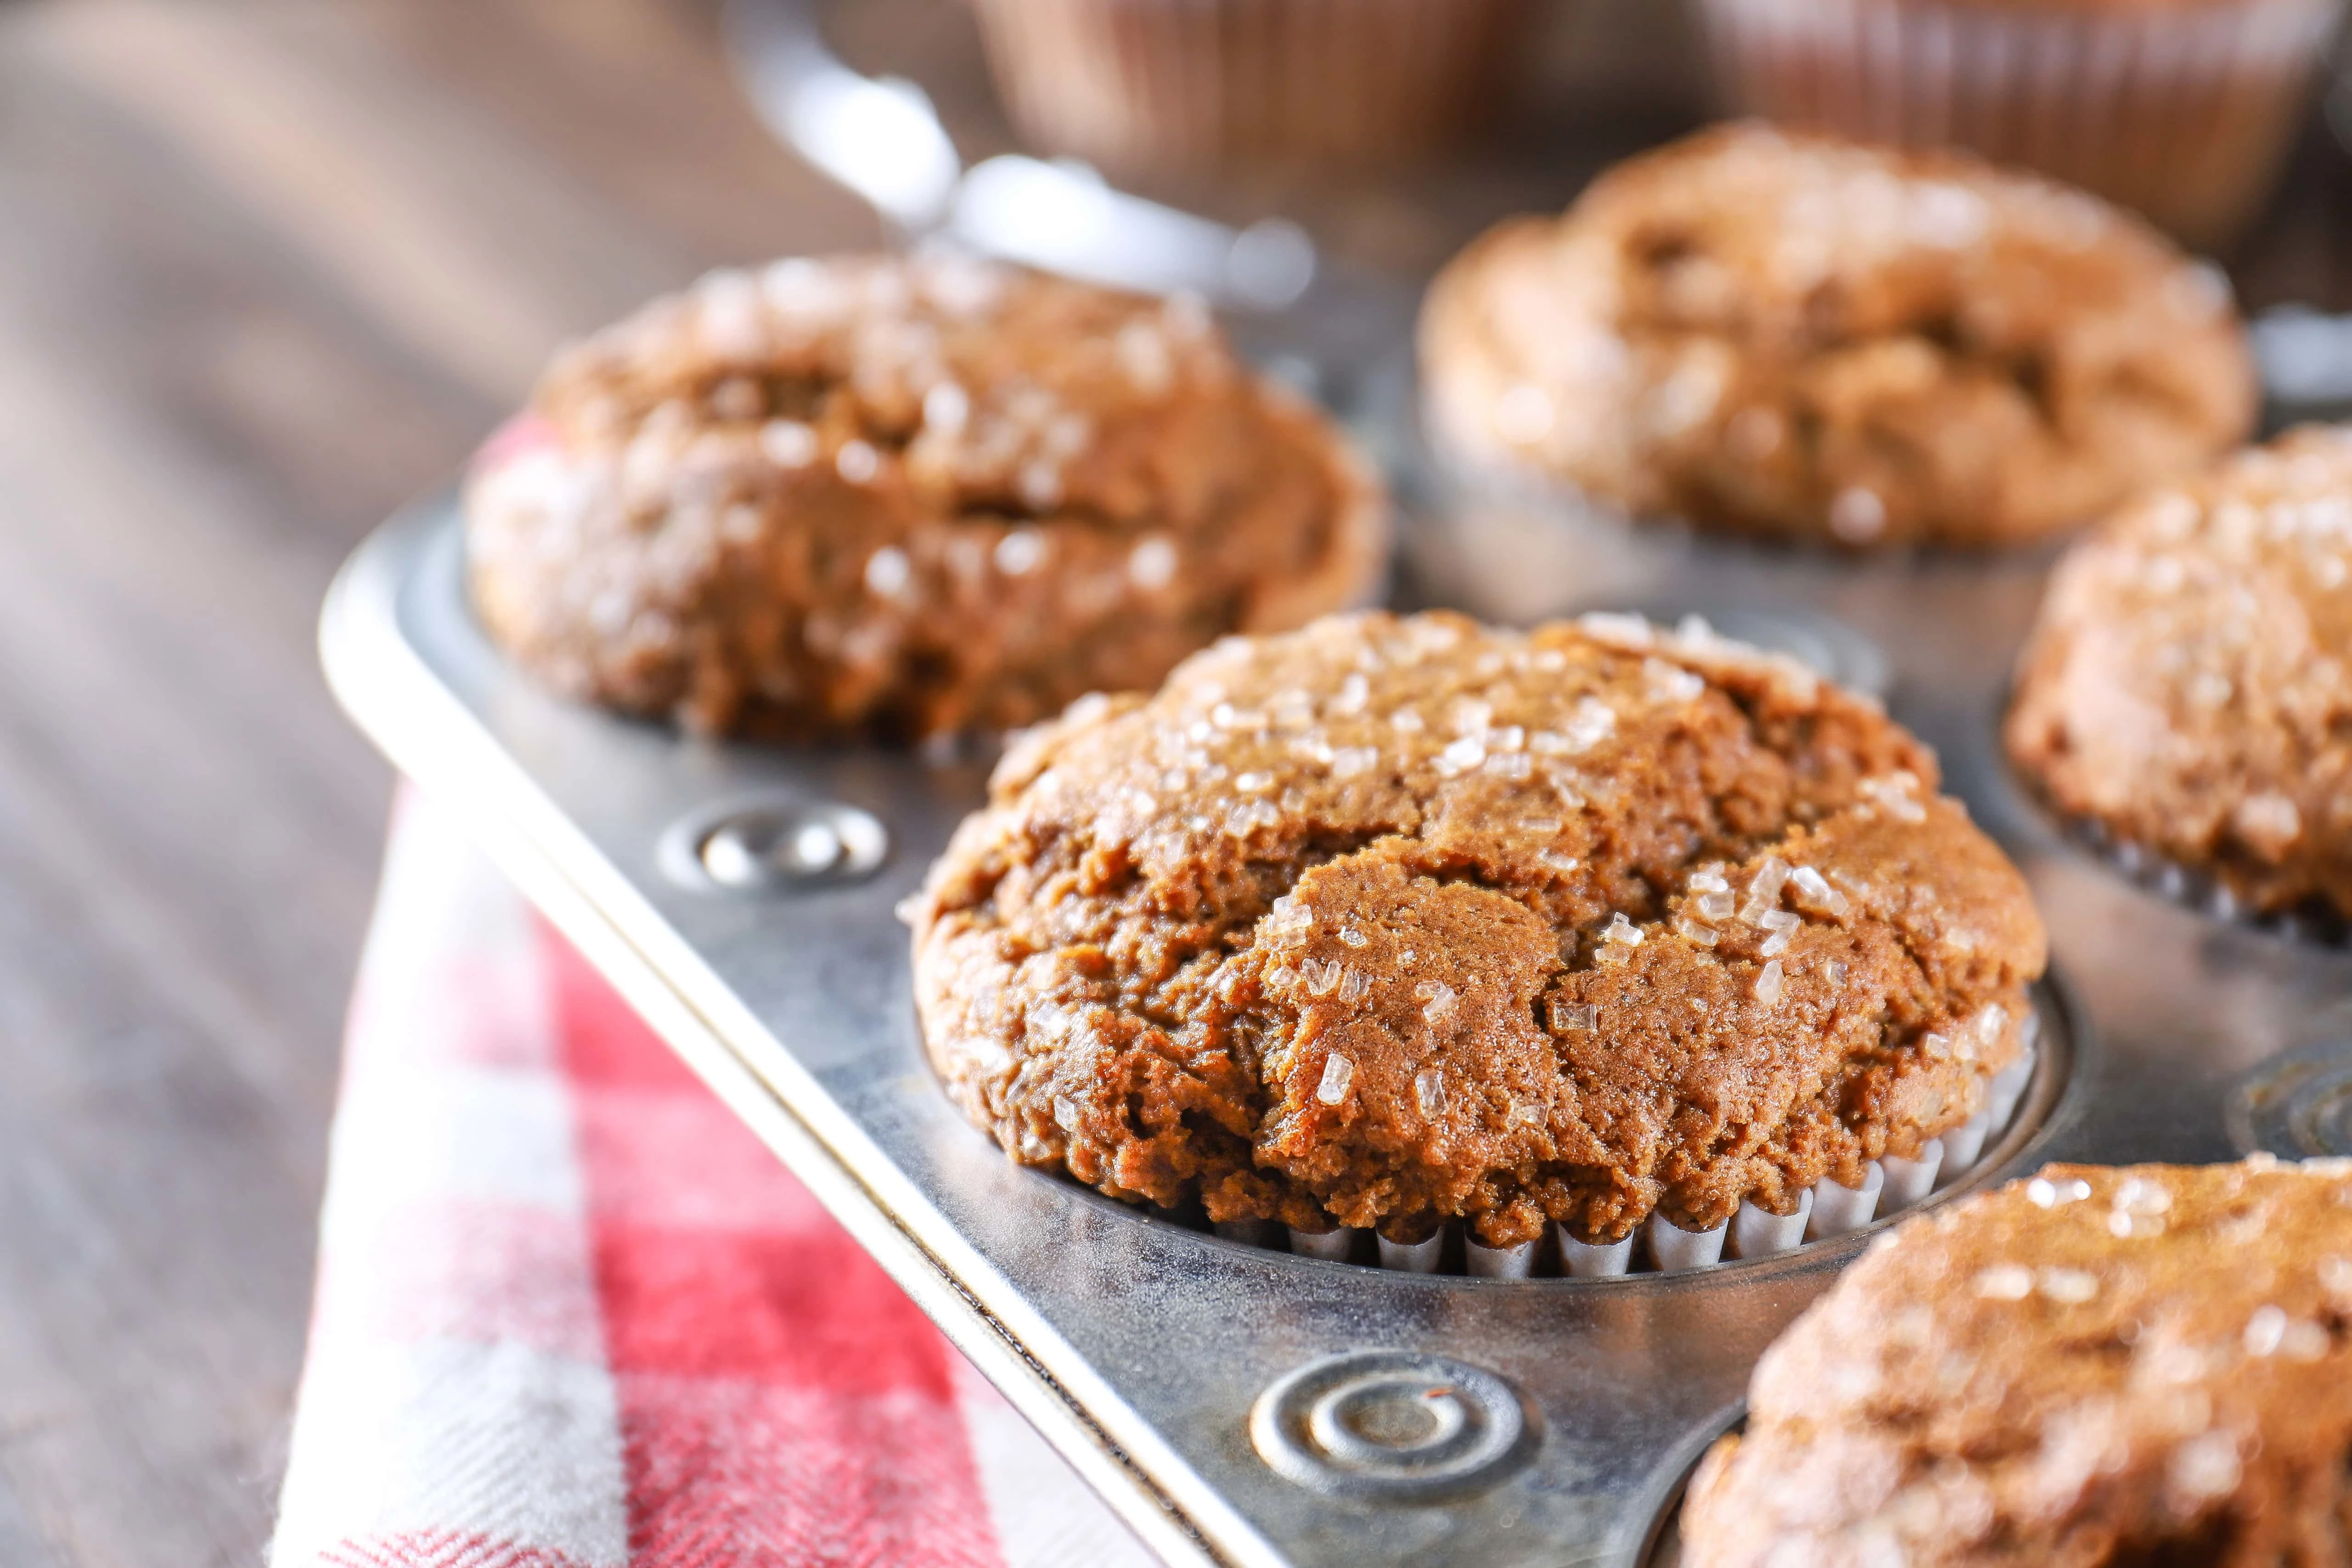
(2097, 1366)
(1795, 337)
(2186, 688)
(874, 496)
(1389, 922)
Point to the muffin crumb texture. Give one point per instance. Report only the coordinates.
(1795, 337)
(2097, 1366)
(2186, 685)
(1393, 921)
(897, 498)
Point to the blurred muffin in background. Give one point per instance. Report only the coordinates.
(1798, 338)
(2187, 687)
(2183, 110)
(1191, 86)
(873, 496)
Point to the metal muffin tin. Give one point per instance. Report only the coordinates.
(1242, 1405)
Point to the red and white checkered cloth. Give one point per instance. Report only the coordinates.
(571, 1314)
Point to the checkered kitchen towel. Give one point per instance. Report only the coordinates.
(571, 1314)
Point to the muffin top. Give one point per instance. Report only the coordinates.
(1391, 921)
(870, 494)
(2186, 685)
(1792, 335)
(2147, 1364)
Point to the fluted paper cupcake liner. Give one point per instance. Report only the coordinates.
(1757, 1232)
(2193, 887)
(1158, 86)
(2183, 111)
(1825, 1211)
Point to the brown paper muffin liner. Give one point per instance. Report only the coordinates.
(1177, 86)
(2184, 112)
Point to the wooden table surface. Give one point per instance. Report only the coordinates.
(266, 270)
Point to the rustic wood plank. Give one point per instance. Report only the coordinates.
(267, 270)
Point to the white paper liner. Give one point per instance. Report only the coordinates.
(2197, 887)
(2183, 110)
(1334, 1246)
(1263, 1233)
(1413, 1257)
(1910, 1181)
(1758, 1232)
(1500, 1262)
(1674, 1250)
(1588, 1260)
(2007, 1087)
(1841, 1210)
(1962, 1144)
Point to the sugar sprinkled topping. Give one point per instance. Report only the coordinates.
(1461, 756)
(1780, 927)
(2005, 1282)
(946, 408)
(2043, 1193)
(1018, 552)
(2069, 1287)
(1438, 999)
(1429, 1092)
(1322, 975)
(1618, 940)
(788, 442)
(1566, 1015)
(1857, 516)
(2207, 1466)
(1814, 892)
(886, 570)
(1896, 794)
(1151, 564)
(1671, 684)
(1338, 1073)
(1764, 892)
(1768, 984)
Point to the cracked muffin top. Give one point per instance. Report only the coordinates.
(1795, 337)
(1392, 921)
(2186, 685)
(2097, 1366)
(867, 495)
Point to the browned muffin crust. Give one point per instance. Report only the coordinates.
(2095, 1368)
(868, 496)
(2186, 685)
(1791, 336)
(1390, 921)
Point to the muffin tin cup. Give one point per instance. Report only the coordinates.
(2183, 111)
(1190, 87)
